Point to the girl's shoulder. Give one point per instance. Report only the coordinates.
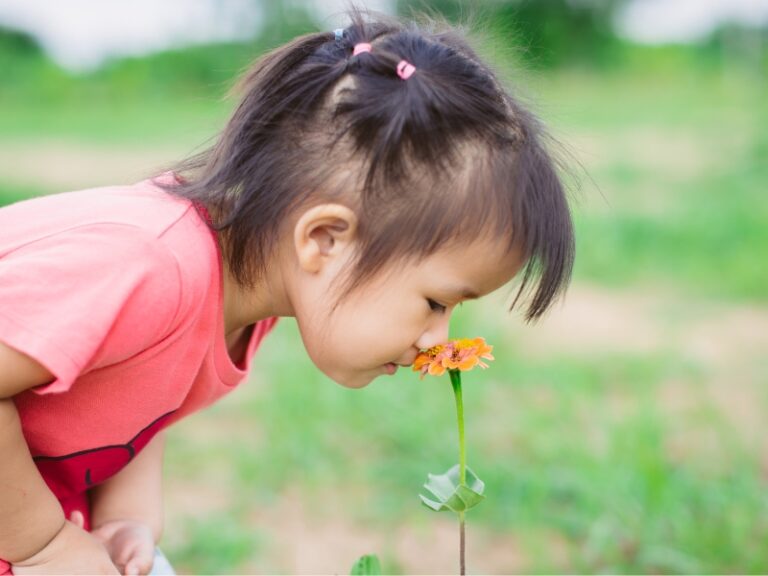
(92, 276)
(141, 219)
(143, 205)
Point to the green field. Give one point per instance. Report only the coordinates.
(623, 435)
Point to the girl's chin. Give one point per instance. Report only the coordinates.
(362, 378)
(356, 380)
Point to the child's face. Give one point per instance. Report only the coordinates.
(405, 308)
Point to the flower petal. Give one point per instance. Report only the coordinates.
(468, 363)
(420, 361)
(436, 369)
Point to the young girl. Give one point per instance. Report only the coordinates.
(370, 180)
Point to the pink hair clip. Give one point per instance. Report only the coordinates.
(361, 47)
(405, 69)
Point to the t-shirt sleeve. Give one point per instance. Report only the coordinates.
(88, 297)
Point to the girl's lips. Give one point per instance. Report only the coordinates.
(390, 368)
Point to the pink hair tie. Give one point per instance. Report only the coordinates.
(361, 47)
(405, 69)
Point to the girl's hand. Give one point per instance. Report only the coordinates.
(129, 543)
(72, 551)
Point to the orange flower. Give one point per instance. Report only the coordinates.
(462, 354)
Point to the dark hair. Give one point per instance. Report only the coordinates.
(443, 156)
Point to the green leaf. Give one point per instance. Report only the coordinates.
(368, 564)
(445, 492)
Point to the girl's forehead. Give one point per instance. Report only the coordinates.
(480, 250)
(472, 267)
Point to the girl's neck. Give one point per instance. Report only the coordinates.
(245, 306)
(242, 306)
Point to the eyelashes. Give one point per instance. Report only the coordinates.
(435, 306)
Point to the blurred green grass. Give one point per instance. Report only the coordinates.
(10, 193)
(577, 452)
(588, 467)
(686, 207)
(113, 123)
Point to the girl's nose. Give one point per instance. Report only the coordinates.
(437, 333)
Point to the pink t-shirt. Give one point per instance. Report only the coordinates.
(118, 292)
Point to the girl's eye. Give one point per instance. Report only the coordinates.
(435, 306)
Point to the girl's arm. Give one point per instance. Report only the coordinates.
(135, 492)
(31, 514)
(34, 535)
(127, 510)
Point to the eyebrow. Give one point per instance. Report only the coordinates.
(463, 292)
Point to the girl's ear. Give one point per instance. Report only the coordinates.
(323, 233)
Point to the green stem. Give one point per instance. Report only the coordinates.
(456, 382)
(462, 546)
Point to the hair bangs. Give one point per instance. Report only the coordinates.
(543, 218)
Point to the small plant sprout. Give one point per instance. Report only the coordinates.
(459, 489)
(367, 565)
